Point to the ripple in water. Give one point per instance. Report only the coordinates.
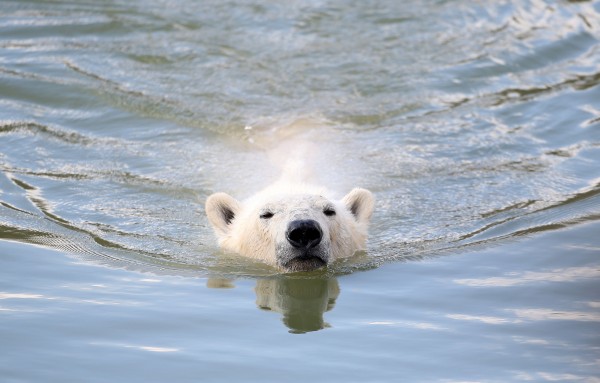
(472, 125)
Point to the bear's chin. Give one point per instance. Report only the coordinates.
(304, 263)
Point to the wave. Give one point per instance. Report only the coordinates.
(55, 232)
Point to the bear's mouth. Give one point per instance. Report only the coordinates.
(305, 262)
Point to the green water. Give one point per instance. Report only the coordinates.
(476, 126)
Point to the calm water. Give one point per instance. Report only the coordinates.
(476, 125)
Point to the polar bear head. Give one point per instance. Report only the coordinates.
(294, 227)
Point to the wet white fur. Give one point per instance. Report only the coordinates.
(249, 235)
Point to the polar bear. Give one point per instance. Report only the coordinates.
(295, 227)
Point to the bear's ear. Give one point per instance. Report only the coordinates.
(221, 209)
(360, 202)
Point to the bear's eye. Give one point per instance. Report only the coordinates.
(266, 215)
(329, 212)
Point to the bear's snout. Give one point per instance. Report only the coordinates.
(304, 234)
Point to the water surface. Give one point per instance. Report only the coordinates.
(476, 125)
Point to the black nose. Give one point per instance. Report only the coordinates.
(304, 233)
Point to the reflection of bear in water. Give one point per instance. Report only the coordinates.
(301, 301)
